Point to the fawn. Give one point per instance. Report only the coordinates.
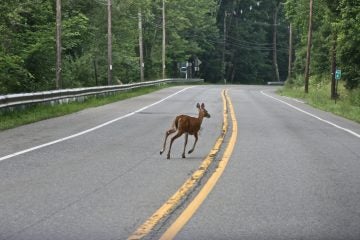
(188, 125)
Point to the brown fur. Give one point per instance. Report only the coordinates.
(188, 125)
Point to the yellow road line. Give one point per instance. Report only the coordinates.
(185, 216)
(185, 189)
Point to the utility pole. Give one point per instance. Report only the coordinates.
(224, 49)
(109, 44)
(307, 66)
(333, 67)
(141, 48)
(275, 63)
(290, 51)
(58, 45)
(163, 41)
(95, 71)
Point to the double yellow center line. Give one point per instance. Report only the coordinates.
(185, 189)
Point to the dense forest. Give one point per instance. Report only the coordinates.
(237, 41)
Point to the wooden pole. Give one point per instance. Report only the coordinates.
(224, 49)
(110, 67)
(290, 51)
(333, 67)
(275, 62)
(58, 45)
(141, 55)
(308, 51)
(95, 71)
(163, 41)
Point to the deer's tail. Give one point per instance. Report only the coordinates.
(176, 123)
(173, 129)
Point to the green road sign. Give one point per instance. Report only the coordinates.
(338, 74)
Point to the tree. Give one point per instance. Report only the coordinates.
(335, 40)
(349, 42)
(26, 40)
(251, 54)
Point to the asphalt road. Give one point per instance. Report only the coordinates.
(291, 176)
(97, 174)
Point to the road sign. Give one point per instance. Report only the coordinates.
(338, 74)
(198, 62)
(183, 69)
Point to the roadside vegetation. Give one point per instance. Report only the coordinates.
(346, 105)
(11, 119)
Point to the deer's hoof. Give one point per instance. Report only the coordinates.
(168, 157)
(161, 152)
(190, 151)
(183, 156)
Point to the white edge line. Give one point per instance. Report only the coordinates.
(314, 116)
(294, 99)
(90, 129)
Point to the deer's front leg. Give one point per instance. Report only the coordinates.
(186, 139)
(196, 138)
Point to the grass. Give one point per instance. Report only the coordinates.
(347, 105)
(11, 119)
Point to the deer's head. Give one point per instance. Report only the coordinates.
(202, 110)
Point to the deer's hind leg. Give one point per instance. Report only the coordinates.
(186, 139)
(178, 134)
(196, 139)
(167, 133)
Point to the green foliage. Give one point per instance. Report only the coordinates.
(194, 29)
(249, 42)
(349, 42)
(26, 45)
(27, 40)
(332, 20)
(11, 73)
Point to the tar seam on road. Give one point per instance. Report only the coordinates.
(170, 205)
(186, 215)
(90, 129)
(312, 115)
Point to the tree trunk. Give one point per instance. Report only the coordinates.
(224, 49)
(333, 67)
(58, 44)
(290, 52)
(141, 55)
(307, 66)
(275, 63)
(110, 67)
(163, 41)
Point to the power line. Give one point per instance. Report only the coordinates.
(243, 42)
(255, 48)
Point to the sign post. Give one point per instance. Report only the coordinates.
(337, 78)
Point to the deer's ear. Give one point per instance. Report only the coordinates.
(202, 105)
(198, 105)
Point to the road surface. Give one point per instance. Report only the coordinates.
(97, 174)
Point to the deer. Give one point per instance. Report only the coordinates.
(188, 125)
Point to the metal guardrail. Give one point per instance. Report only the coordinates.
(22, 100)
